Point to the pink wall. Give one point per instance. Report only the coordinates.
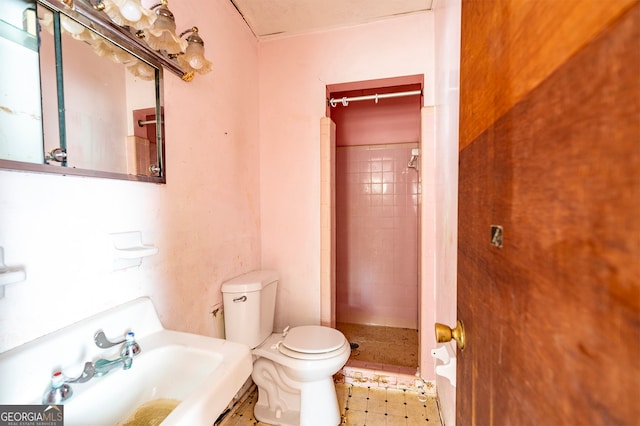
(377, 235)
(294, 74)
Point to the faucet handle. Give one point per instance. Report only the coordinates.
(131, 347)
(85, 376)
(104, 343)
(60, 390)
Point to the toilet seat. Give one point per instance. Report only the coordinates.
(312, 342)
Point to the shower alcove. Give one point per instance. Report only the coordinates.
(372, 210)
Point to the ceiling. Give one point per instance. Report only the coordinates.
(271, 17)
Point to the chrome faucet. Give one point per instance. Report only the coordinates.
(129, 350)
(60, 390)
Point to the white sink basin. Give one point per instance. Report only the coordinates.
(185, 368)
(198, 375)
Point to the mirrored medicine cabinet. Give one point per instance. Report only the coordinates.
(78, 97)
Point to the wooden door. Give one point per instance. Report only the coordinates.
(551, 153)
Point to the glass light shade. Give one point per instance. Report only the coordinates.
(193, 58)
(129, 13)
(141, 70)
(107, 49)
(195, 55)
(162, 34)
(71, 26)
(68, 26)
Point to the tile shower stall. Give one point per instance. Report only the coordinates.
(377, 201)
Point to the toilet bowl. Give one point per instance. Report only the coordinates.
(304, 364)
(303, 380)
(293, 370)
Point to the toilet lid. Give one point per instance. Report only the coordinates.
(313, 339)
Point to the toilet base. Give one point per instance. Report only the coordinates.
(282, 401)
(317, 411)
(264, 414)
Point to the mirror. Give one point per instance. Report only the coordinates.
(74, 101)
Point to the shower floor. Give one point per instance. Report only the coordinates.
(380, 346)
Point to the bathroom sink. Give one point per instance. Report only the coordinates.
(189, 371)
(188, 378)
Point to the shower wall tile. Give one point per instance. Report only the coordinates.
(377, 234)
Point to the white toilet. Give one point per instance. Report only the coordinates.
(293, 369)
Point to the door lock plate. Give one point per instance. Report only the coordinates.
(496, 236)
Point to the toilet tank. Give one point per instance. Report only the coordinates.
(249, 307)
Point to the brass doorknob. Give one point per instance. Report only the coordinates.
(445, 333)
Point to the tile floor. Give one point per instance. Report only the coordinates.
(360, 406)
(382, 345)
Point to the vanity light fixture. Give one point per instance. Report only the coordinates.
(162, 34)
(154, 24)
(127, 13)
(193, 60)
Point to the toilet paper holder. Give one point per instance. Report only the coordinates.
(445, 333)
(448, 367)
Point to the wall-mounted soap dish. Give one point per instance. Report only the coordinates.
(129, 249)
(9, 275)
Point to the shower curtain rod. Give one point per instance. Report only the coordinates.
(345, 101)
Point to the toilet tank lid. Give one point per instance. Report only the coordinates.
(252, 281)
